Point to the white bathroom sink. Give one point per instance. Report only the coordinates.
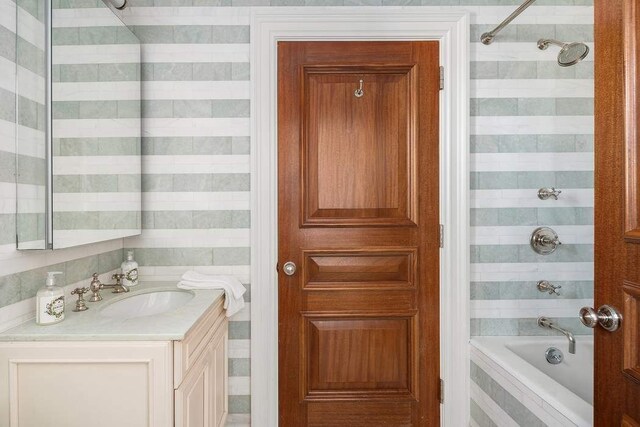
(146, 304)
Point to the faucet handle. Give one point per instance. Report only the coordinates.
(546, 286)
(95, 287)
(119, 287)
(544, 240)
(80, 303)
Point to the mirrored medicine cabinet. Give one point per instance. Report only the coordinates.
(78, 125)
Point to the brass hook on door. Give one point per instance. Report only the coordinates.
(359, 92)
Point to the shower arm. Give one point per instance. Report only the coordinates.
(544, 43)
(487, 38)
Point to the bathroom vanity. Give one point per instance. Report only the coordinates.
(156, 356)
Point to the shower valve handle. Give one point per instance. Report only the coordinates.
(548, 193)
(546, 286)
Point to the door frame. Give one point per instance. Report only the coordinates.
(450, 28)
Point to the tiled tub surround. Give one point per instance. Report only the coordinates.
(531, 127)
(513, 385)
(22, 273)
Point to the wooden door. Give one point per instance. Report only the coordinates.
(358, 215)
(617, 210)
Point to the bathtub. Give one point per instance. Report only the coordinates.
(563, 391)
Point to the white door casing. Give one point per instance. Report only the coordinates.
(450, 28)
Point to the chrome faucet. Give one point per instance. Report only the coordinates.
(545, 322)
(96, 286)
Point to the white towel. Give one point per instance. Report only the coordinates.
(233, 289)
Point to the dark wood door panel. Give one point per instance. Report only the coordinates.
(359, 357)
(358, 159)
(627, 421)
(372, 268)
(358, 321)
(387, 301)
(617, 229)
(631, 346)
(360, 414)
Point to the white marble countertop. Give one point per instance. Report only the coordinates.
(91, 325)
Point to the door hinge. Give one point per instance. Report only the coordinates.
(441, 390)
(441, 235)
(277, 267)
(441, 77)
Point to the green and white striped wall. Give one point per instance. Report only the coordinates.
(531, 126)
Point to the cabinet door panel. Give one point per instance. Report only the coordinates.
(201, 399)
(56, 383)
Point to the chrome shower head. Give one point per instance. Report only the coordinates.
(570, 53)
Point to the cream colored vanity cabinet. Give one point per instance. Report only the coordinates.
(118, 383)
(200, 373)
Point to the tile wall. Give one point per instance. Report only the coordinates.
(22, 273)
(531, 127)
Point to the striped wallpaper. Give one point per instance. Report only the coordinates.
(531, 126)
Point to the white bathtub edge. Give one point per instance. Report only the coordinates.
(532, 381)
(534, 403)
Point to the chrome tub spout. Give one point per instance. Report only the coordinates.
(545, 322)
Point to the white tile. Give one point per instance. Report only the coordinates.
(239, 386)
(506, 162)
(239, 349)
(84, 17)
(535, 14)
(196, 127)
(8, 15)
(534, 308)
(30, 29)
(97, 91)
(87, 128)
(96, 165)
(532, 88)
(529, 125)
(187, 16)
(558, 271)
(196, 89)
(126, 53)
(185, 238)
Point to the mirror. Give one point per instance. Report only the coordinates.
(79, 126)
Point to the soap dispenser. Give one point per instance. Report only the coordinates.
(50, 301)
(130, 270)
